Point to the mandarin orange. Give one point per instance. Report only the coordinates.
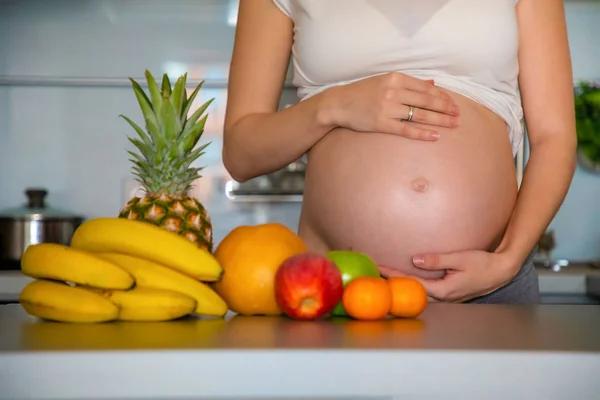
(409, 297)
(367, 298)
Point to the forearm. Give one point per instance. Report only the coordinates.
(262, 143)
(545, 184)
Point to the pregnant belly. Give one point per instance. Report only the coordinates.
(392, 197)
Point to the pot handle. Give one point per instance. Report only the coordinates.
(35, 197)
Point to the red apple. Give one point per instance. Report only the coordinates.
(308, 286)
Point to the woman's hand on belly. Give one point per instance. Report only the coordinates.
(381, 103)
(468, 274)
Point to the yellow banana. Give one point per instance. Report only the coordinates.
(149, 274)
(58, 301)
(147, 241)
(61, 263)
(145, 304)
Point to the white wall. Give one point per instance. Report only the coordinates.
(70, 140)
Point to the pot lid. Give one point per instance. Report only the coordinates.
(36, 208)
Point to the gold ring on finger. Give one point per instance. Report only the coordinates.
(411, 112)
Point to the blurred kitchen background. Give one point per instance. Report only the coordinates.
(63, 83)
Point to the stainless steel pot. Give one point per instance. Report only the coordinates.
(32, 224)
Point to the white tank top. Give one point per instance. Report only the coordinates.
(467, 46)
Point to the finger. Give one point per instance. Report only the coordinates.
(422, 86)
(428, 102)
(444, 93)
(395, 82)
(416, 84)
(429, 117)
(436, 288)
(396, 127)
(435, 262)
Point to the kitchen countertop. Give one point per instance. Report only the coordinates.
(452, 351)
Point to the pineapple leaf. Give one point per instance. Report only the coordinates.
(177, 154)
(194, 155)
(184, 92)
(149, 175)
(142, 178)
(142, 171)
(178, 122)
(142, 147)
(163, 159)
(183, 163)
(137, 159)
(154, 91)
(193, 173)
(178, 95)
(137, 168)
(166, 86)
(148, 112)
(143, 182)
(161, 150)
(139, 131)
(165, 151)
(191, 138)
(169, 121)
(192, 120)
(188, 103)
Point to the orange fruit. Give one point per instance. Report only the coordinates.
(250, 257)
(409, 297)
(367, 298)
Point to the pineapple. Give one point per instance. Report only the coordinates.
(163, 165)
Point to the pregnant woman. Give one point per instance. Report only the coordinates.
(411, 116)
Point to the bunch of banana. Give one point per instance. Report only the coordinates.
(120, 269)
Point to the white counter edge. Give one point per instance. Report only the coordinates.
(298, 374)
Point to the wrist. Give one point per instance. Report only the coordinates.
(509, 250)
(511, 261)
(328, 112)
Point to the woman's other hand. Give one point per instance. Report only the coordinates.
(382, 104)
(469, 274)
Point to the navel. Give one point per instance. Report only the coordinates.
(419, 184)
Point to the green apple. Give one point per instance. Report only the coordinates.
(352, 264)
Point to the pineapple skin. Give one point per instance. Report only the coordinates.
(180, 214)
